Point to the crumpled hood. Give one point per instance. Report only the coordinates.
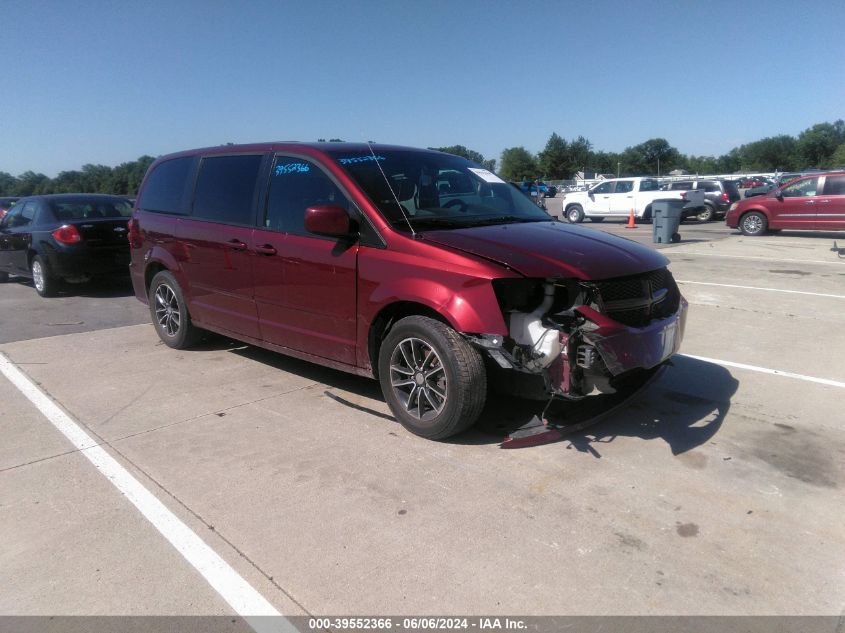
(552, 249)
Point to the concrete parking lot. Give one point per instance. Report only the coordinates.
(718, 491)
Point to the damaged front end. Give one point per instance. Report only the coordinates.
(585, 337)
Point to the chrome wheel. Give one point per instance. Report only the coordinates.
(167, 310)
(418, 378)
(752, 224)
(38, 275)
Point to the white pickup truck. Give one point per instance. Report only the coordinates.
(615, 197)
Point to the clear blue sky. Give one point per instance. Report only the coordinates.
(106, 82)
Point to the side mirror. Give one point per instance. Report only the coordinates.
(779, 195)
(327, 219)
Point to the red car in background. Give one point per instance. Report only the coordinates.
(813, 202)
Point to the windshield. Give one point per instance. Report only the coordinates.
(433, 190)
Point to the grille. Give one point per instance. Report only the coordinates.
(636, 300)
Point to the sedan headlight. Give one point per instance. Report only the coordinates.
(733, 206)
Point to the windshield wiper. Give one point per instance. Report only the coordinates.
(505, 219)
(436, 221)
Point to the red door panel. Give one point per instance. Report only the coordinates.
(306, 294)
(830, 212)
(218, 265)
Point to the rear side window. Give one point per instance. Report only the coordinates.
(165, 188)
(624, 186)
(21, 215)
(682, 185)
(708, 185)
(834, 186)
(649, 185)
(226, 187)
(295, 185)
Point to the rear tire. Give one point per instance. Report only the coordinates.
(169, 312)
(753, 224)
(575, 214)
(433, 380)
(707, 214)
(46, 285)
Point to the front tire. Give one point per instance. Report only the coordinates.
(575, 214)
(753, 224)
(433, 380)
(169, 312)
(46, 285)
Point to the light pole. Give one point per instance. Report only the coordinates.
(618, 168)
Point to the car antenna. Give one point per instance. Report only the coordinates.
(393, 193)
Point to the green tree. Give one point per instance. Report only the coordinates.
(581, 151)
(8, 183)
(654, 156)
(837, 160)
(469, 154)
(816, 145)
(518, 164)
(29, 182)
(555, 161)
(605, 163)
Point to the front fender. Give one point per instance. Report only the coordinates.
(470, 306)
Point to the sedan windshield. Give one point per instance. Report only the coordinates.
(431, 190)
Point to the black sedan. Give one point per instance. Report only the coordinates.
(65, 237)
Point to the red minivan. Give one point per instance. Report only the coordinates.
(814, 202)
(415, 267)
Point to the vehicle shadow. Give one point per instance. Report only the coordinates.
(685, 406)
(95, 289)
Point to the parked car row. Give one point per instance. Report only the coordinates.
(414, 267)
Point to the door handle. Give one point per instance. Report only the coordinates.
(236, 244)
(825, 201)
(809, 202)
(265, 249)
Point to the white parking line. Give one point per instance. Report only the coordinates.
(236, 591)
(765, 370)
(841, 262)
(792, 292)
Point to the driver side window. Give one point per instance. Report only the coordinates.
(605, 187)
(295, 185)
(802, 188)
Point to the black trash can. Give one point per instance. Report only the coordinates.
(667, 214)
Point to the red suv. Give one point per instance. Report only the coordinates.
(415, 267)
(813, 202)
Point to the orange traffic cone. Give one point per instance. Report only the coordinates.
(631, 224)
